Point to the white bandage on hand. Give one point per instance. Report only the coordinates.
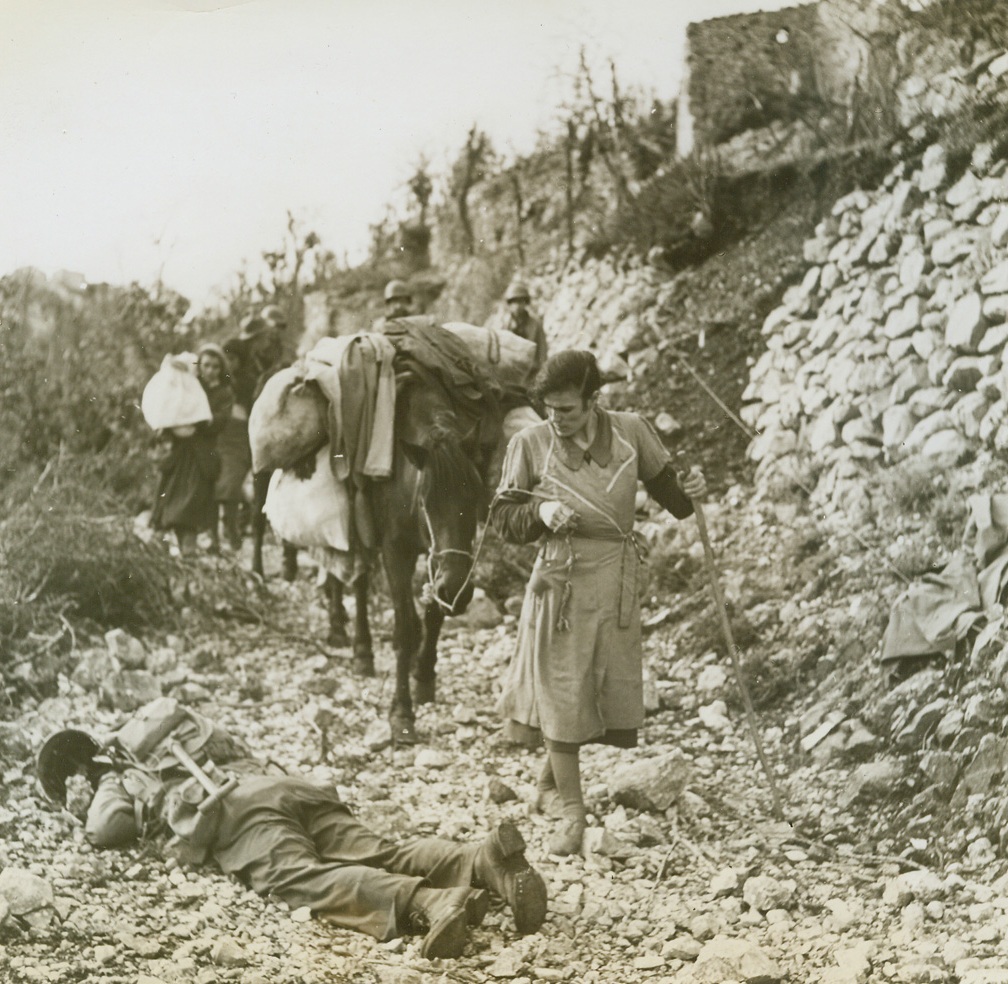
(555, 515)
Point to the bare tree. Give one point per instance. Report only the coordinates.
(469, 170)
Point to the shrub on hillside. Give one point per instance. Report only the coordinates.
(73, 366)
(66, 553)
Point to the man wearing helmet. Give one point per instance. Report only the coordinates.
(284, 836)
(523, 322)
(398, 300)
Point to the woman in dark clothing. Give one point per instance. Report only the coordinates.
(185, 501)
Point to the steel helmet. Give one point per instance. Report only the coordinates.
(397, 290)
(251, 326)
(273, 316)
(61, 756)
(517, 292)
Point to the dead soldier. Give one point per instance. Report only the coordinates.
(284, 836)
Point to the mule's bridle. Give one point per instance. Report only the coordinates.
(432, 552)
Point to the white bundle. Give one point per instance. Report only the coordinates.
(174, 397)
(310, 512)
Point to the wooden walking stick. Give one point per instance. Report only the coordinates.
(715, 583)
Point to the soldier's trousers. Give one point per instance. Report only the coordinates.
(318, 855)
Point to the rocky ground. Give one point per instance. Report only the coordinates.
(687, 876)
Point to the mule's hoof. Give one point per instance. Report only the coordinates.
(403, 732)
(423, 691)
(338, 637)
(363, 665)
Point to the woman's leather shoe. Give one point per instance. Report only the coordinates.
(567, 838)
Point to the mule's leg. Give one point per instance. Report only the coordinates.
(290, 553)
(399, 566)
(337, 613)
(426, 654)
(363, 653)
(260, 486)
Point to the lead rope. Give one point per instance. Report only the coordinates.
(753, 434)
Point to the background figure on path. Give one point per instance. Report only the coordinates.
(398, 300)
(256, 354)
(185, 502)
(571, 482)
(523, 322)
(232, 445)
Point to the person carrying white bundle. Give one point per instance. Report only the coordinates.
(184, 502)
(174, 397)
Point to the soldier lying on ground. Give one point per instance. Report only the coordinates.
(285, 836)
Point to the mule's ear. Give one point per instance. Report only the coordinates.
(416, 453)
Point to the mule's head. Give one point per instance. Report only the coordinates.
(449, 500)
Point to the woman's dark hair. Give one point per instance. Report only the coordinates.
(570, 369)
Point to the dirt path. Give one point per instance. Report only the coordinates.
(714, 875)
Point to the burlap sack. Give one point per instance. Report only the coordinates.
(509, 358)
(288, 421)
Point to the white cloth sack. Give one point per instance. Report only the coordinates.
(310, 512)
(508, 357)
(173, 397)
(288, 420)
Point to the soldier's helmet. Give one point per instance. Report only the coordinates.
(396, 290)
(517, 292)
(64, 754)
(251, 326)
(273, 316)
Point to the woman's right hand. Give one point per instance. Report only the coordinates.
(557, 516)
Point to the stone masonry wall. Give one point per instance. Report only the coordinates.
(742, 70)
(895, 342)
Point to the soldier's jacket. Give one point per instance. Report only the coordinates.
(150, 791)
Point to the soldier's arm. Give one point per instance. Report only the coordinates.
(111, 817)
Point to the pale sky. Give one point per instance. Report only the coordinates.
(140, 137)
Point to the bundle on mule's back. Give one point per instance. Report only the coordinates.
(507, 357)
(313, 511)
(173, 397)
(287, 421)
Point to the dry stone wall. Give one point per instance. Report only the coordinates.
(894, 344)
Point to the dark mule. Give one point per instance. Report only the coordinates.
(431, 505)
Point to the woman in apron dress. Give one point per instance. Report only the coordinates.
(571, 482)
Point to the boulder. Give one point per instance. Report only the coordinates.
(995, 280)
(955, 245)
(873, 781)
(963, 375)
(129, 690)
(912, 268)
(999, 229)
(904, 320)
(94, 668)
(933, 168)
(897, 423)
(764, 893)
(652, 784)
(966, 326)
(726, 959)
(24, 892)
(129, 651)
(945, 448)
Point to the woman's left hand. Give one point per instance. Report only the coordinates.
(694, 484)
